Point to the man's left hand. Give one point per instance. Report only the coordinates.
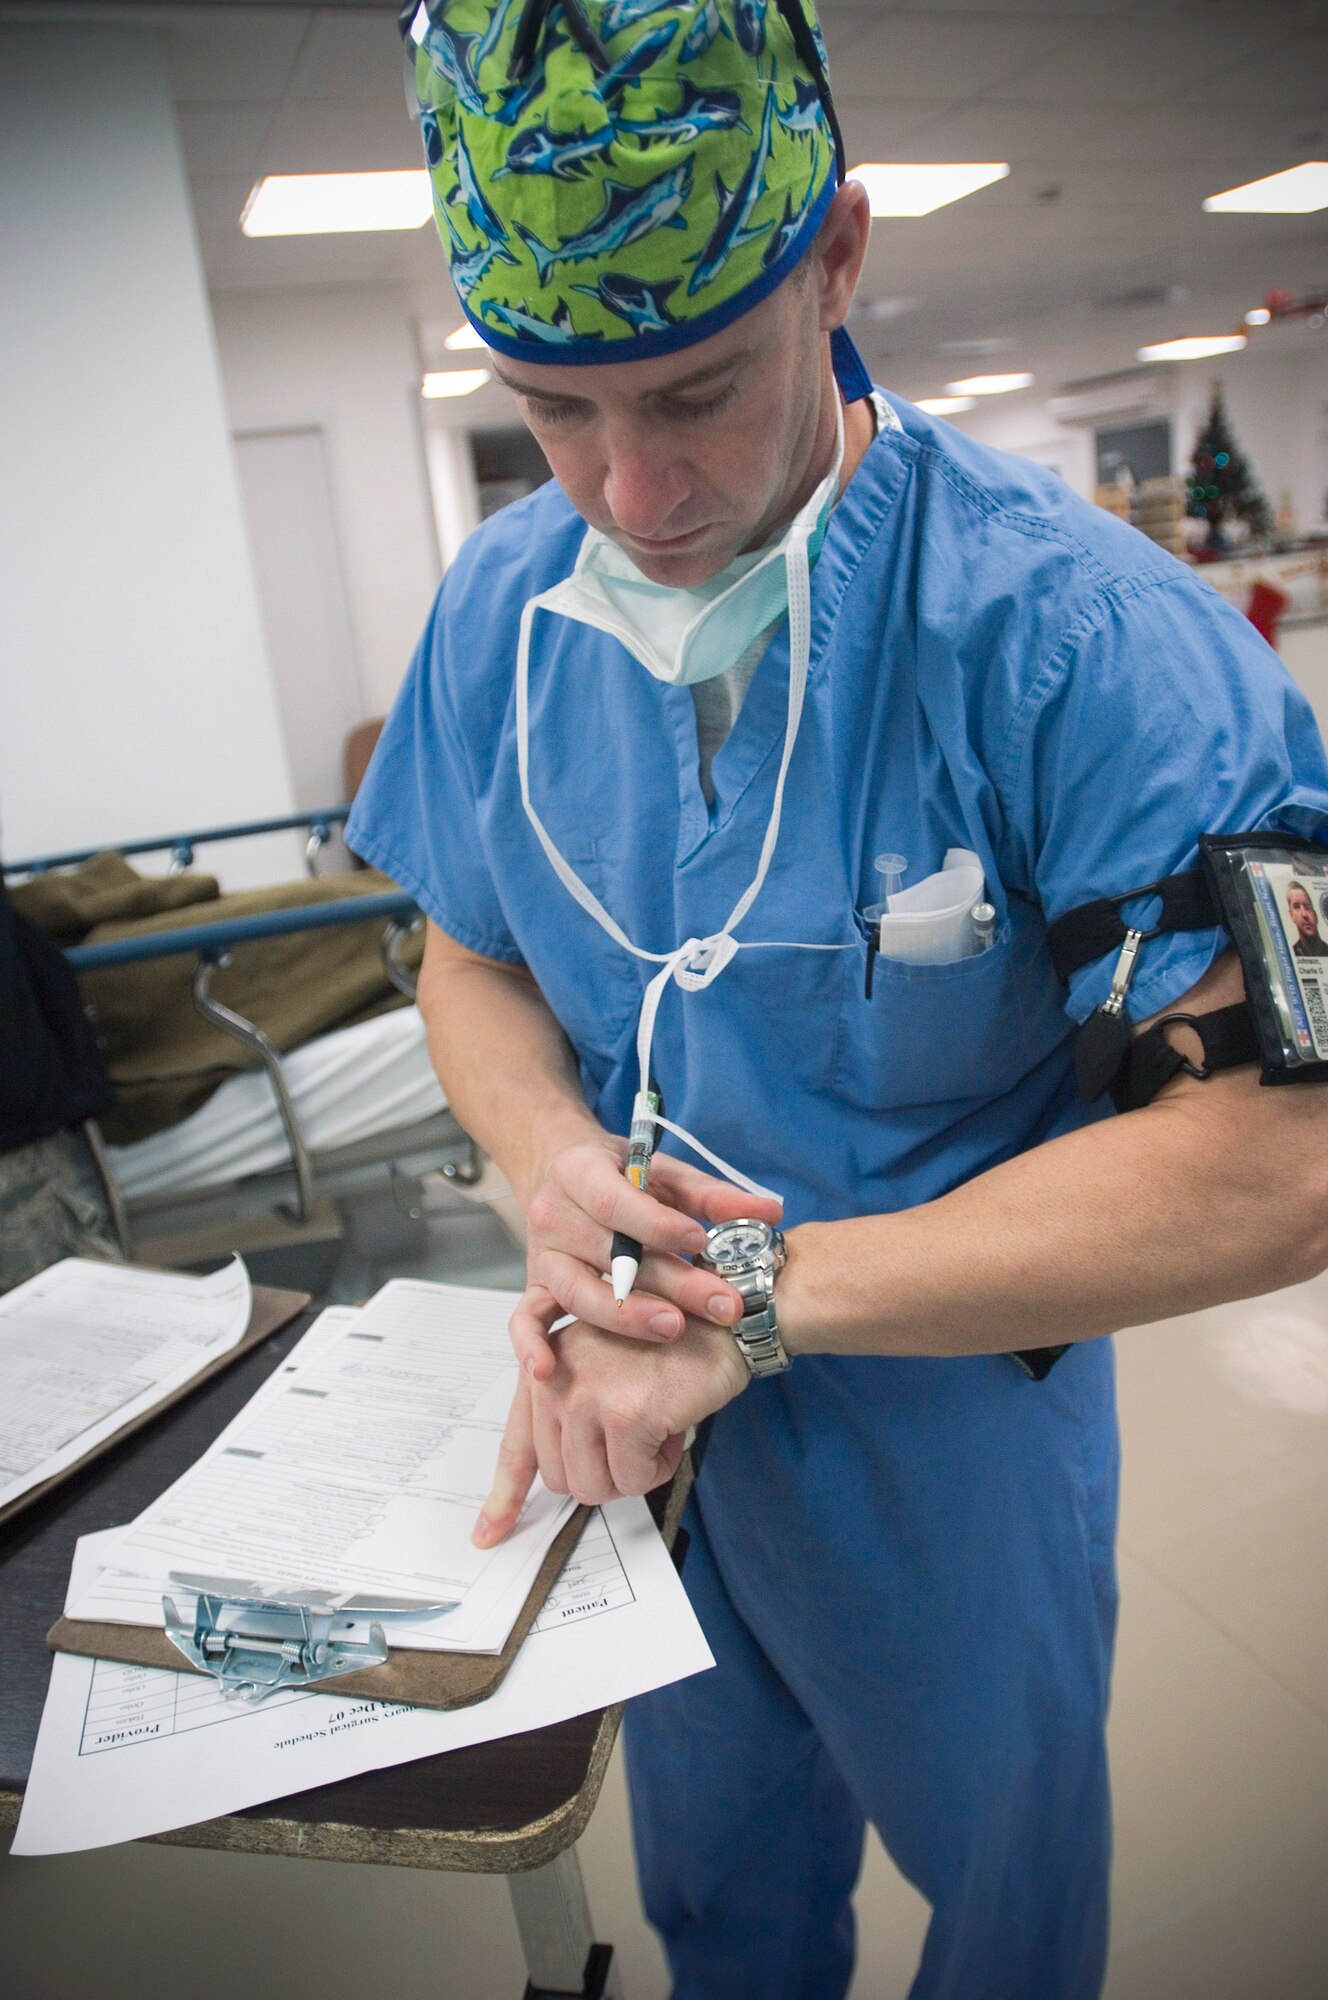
(611, 1418)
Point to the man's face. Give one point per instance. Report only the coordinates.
(691, 459)
(1302, 913)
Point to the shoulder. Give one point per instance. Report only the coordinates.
(1022, 578)
(1020, 518)
(515, 554)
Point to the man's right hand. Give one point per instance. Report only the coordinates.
(581, 1199)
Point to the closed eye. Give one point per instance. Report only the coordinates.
(552, 413)
(708, 408)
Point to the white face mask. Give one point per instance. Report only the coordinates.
(686, 636)
(696, 655)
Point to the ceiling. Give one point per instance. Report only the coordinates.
(1117, 118)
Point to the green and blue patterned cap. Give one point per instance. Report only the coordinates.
(618, 179)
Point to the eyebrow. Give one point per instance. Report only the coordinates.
(697, 379)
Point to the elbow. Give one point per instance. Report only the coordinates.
(1304, 1232)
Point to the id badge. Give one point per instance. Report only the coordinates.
(1273, 895)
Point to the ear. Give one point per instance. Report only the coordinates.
(840, 250)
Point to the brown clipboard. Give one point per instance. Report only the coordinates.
(428, 1680)
(270, 1310)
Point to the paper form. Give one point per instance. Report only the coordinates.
(87, 1347)
(360, 1466)
(124, 1752)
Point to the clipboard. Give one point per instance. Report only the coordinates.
(271, 1309)
(426, 1680)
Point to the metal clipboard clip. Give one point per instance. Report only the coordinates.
(254, 1642)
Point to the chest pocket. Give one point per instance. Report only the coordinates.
(947, 1034)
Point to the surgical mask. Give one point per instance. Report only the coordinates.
(686, 636)
(783, 581)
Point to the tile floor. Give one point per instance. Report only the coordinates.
(1219, 1740)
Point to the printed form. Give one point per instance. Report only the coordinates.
(359, 1468)
(124, 1752)
(87, 1347)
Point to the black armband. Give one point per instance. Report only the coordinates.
(1270, 894)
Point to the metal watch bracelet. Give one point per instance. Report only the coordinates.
(757, 1332)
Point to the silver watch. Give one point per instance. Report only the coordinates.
(750, 1255)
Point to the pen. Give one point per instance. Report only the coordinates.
(625, 1255)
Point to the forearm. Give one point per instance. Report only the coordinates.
(1214, 1192)
(504, 1062)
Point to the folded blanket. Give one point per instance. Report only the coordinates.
(164, 1059)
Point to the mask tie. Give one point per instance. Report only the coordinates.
(697, 962)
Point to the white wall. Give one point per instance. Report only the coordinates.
(342, 359)
(135, 696)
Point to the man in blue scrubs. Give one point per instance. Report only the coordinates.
(663, 785)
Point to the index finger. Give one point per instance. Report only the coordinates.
(513, 1476)
(600, 1189)
(706, 1196)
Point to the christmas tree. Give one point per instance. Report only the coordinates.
(1221, 488)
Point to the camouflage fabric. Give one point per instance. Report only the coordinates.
(51, 1206)
(597, 214)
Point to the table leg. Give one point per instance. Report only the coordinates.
(553, 1918)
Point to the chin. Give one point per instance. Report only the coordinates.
(679, 572)
(685, 568)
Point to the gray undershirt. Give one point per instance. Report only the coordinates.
(719, 699)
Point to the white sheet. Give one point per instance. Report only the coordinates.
(128, 1751)
(358, 1466)
(87, 1347)
(346, 1086)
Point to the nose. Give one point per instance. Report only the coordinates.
(645, 486)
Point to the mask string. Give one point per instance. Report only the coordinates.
(696, 963)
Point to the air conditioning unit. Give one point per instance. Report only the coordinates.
(1135, 393)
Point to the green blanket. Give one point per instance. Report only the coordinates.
(164, 1059)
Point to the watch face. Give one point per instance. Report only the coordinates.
(735, 1245)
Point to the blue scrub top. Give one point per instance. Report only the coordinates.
(995, 665)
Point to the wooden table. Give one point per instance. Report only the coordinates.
(513, 1807)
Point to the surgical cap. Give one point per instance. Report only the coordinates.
(616, 179)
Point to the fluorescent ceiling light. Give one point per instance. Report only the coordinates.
(320, 204)
(465, 336)
(988, 385)
(454, 382)
(917, 190)
(945, 406)
(1298, 191)
(1258, 316)
(1195, 347)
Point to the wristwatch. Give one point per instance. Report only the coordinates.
(750, 1255)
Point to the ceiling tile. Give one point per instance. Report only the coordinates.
(351, 55)
(1142, 60)
(881, 130)
(931, 8)
(341, 135)
(218, 202)
(1296, 74)
(949, 55)
(1096, 133)
(237, 52)
(222, 138)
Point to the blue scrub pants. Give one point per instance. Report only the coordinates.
(905, 1571)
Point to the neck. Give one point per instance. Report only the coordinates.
(859, 430)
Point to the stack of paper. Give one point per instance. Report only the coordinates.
(125, 1752)
(358, 1468)
(359, 1465)
(85, 1348)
